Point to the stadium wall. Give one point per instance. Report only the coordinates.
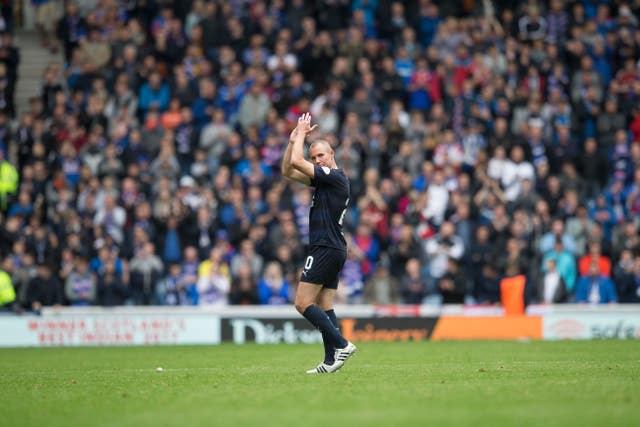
(95, 326)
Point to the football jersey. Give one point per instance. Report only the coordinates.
(328, 207)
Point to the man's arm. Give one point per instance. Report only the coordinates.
(302, 165)
(287, 168)
(297, 150)
(294, 165)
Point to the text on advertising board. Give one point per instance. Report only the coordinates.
(290, 331)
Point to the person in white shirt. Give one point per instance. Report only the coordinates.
(552, 289)
(437, 199)
(449, 151)
(441, 247)
(112, 217)
(497, 163)
(514, 172)
(282, 60)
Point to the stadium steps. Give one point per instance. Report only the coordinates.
(33, 60)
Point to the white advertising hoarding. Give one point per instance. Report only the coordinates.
(87, 330)
(591, 325)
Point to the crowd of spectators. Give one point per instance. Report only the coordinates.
(483, 139)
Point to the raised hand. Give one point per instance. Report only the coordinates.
(304, 124)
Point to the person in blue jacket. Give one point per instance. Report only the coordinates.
(595, 288)
(273, 288)
(153, 95)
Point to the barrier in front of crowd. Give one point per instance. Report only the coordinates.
(94, 326)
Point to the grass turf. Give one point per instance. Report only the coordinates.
(594, 383)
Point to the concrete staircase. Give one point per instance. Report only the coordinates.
(33, 60)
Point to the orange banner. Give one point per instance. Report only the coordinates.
(488, 328)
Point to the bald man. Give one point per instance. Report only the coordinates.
(327, 250)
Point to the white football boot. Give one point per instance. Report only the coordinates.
(323, 368)
(342, 354)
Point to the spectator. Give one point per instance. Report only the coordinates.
(171, 244)
(565, 263)
(7, 291)
(44, 290)
(80, 286)
(154, 95)
(373, 207)
(594, 288)
(381, 288)
(627, 237)
(214, 136)
(626, 277)
(8, 182)
(365, 249)
(22, 271)
(593, 167)
(213, 283)
(254, 107)
(436, 200)
(171, 289)
(216, 258)
(632, 195)
(452, 285)
(440, 248)
(515, 171)
(549, 239)
(244, 288)
(406, 247)
(532, 26)
(352, 276)
(273, 287)
(413, 286)
(189, 274)
(594, 256)
(70, 29)
(603, 214)
(46, 14)
(111, 289)
(95, 49)
(10, 57)
(112, 217)
(146, 270)
(579, 228)
(552, 288)
(247, 254)
(23, 206)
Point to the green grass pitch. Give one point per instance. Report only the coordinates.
(594, 383)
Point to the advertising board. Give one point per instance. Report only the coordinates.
(96, 326)
(585, 326)
(69, 330)
(290, 331)
(488, 328)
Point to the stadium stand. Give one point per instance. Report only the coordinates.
(487, 143)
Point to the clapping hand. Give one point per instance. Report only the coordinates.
(304, 126)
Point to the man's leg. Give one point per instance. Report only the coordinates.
(305, 303)
(325, 302)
